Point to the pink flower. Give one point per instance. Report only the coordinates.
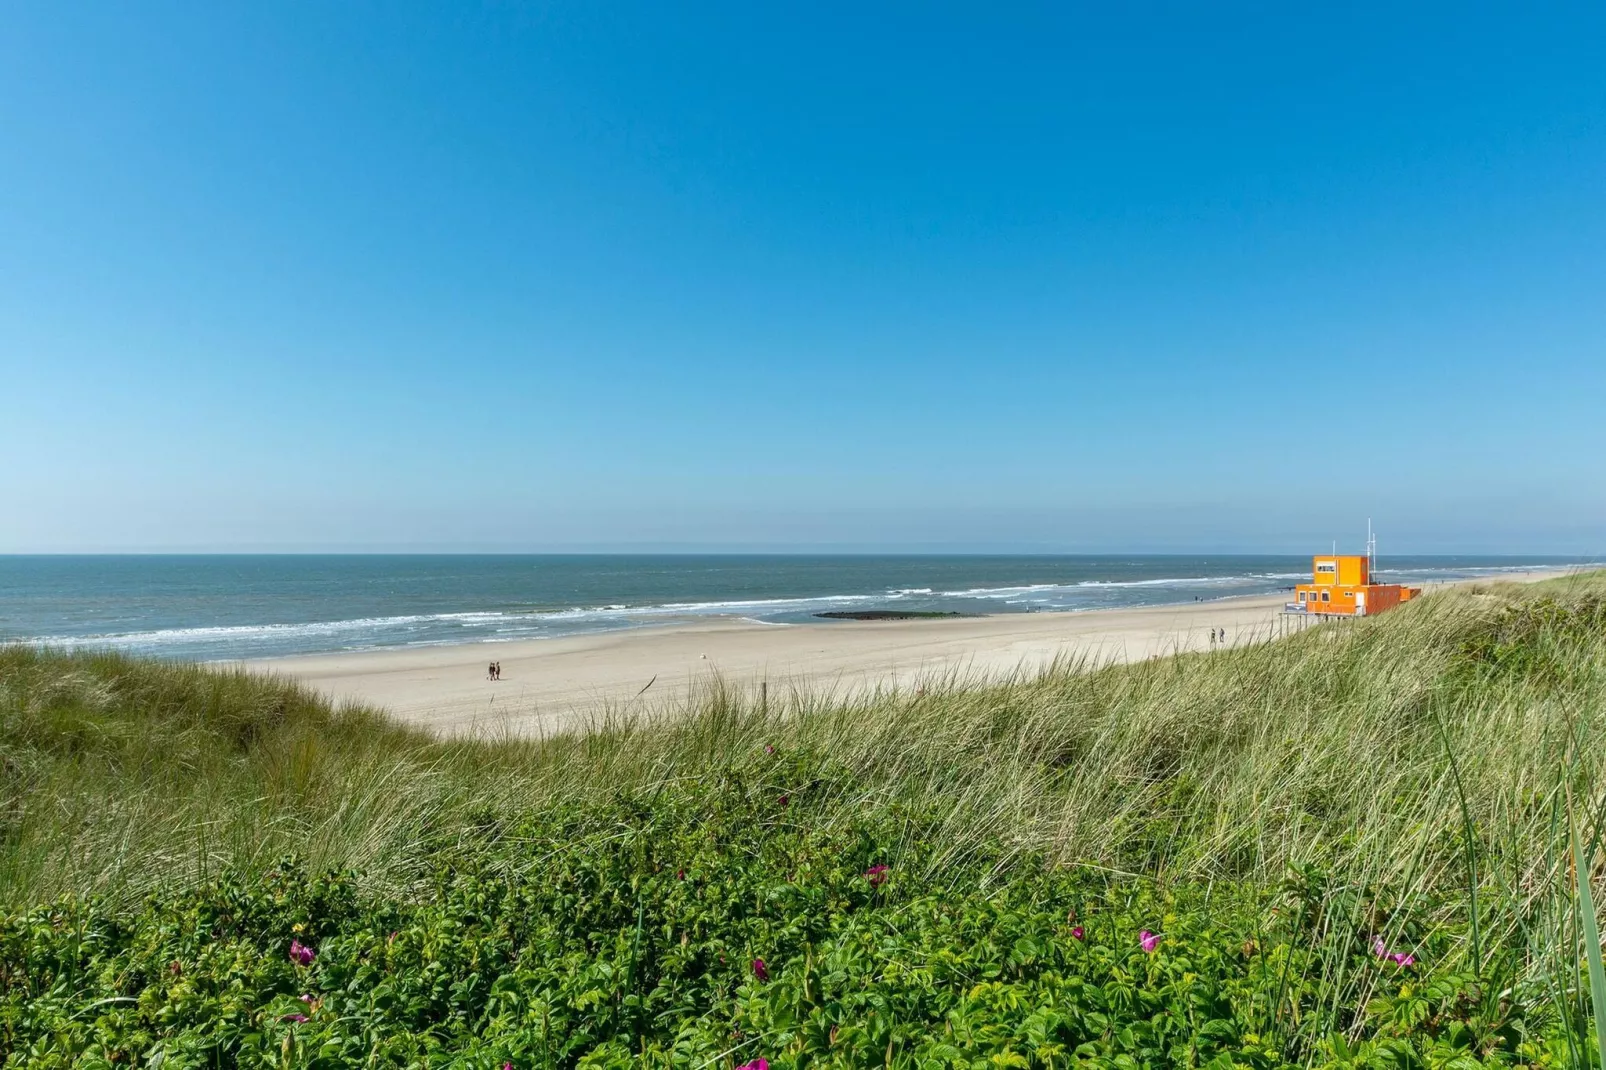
(785, 800)
(507, 1065)
(756, 1064)
(297, 1018)
(1149, 940)
(1076, 933)
(768, 749)
(1399, 958)
(877, 875)
(301, 954)
(760, 970)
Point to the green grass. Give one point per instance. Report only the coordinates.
(1413, 778)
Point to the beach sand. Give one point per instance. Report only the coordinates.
(553, 685)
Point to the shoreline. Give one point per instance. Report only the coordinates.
(550, 686)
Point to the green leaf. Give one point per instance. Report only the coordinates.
(1597, 974)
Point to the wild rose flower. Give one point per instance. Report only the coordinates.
(785, 800)
(1076, 933)
(877, 875)
(760, 970)
(1399, 958)
(507, 1065)
(1148, 940)
(769, 748)
(296, 1018)
(756, 1064)
(301, 954)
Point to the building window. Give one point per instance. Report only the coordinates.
(1327, 596)
(1301, 596)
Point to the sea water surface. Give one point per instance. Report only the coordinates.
(224, 607)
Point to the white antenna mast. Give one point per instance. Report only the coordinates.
(1371, 552)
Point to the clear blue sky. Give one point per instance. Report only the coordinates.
(460, 276)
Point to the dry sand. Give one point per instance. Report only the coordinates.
(551, 685)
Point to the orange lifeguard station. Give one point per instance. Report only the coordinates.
(1341, 586)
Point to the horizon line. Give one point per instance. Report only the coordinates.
(762, 550)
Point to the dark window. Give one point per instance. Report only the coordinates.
(1327, 596)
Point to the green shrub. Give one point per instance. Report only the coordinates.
(635, 931)
(1271, 811)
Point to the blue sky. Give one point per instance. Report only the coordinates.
(503, 276)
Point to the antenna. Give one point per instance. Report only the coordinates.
(1371, 552)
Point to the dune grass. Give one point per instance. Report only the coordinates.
(1341, 745)
(1435, 761)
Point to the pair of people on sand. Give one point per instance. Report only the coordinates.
(1218, 635)
(495, 672)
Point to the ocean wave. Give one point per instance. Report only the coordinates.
(1181, 582)
(483, 626)
(1468, 571)
(227, 632)
(504, 626)
(230, 641)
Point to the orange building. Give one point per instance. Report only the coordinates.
(1341, 586)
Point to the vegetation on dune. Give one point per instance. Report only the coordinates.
(1353, 845)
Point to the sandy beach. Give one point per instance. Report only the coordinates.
(550, 685)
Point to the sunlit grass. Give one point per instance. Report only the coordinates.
(1442, 752)
(1336, 745)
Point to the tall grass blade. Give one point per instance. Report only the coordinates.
(1591, 934)
(1471, 844)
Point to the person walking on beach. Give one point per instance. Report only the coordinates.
(490, 671)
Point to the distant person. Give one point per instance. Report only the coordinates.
(490, 671)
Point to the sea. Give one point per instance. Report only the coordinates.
(228, 607)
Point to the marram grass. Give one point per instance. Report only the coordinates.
(1338, 746)
(1406, 782)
